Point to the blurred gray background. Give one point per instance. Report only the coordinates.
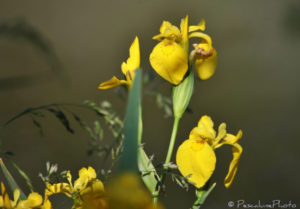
(256, 86)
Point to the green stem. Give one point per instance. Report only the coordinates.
(168, 158)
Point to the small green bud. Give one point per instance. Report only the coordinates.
(182, 94)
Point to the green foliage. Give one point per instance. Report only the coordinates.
(11, 181)
(131, 126)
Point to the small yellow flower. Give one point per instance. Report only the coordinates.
(170, 58)
(87, 192)
(128, 68)
(196, 158)
(34, 201)
(127, 192)
(5, 201)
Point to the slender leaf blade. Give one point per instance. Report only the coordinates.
(128, 160)
(11, 181)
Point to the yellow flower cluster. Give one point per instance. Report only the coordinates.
(170, 58)
(196, 158)
(34, 201)
(87, 192)
(124, 192)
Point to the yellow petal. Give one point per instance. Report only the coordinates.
(113, 82)
(133, 62)
(16, 197)
(230, 139)
(206, 67)
(221, 134)
(196, 160)
(170, 61)
(205, 129)
(169, 31)
(47, 204)
(95, 186)
(64, 188)
(128, 192)
(184, 28)
(34, 200)
(236, 152)
(6, 201)
(85, 176)
(203, 36)
(200, 26)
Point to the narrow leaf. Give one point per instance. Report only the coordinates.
(11, 181)
(147, 170)
(128, 160)
(24, 175)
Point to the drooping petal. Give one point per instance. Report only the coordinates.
(200, 26)
(203, 36)
(196, 161)
(34, 200)
(236, 152)
(113, 82)
(170, 61)
(133, 62)
(206, 67)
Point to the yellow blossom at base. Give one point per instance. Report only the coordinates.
(87, 192)
(33, 201)
(196, 158)
(127, 192)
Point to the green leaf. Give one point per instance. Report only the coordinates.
(11, 181)
(128, 160)
(147, 170)
(202, 195)
(24, 175)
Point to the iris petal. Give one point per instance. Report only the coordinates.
(169, 60)
(113, 82)
(133, 62)
(206, 67)
(236, 152)
(196, 161)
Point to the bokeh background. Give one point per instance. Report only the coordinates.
(256, 87)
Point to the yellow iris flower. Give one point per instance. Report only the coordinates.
(128, 68)
(196, 158)
(87, 191)
(170, 59)
(34, 201)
